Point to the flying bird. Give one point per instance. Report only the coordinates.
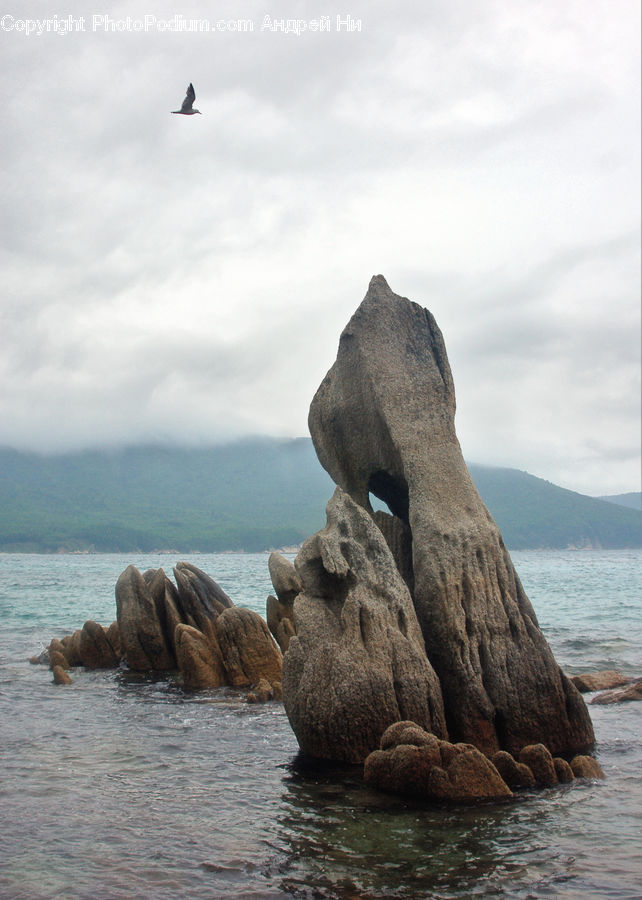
(186, 108)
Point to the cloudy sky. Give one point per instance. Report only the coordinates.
(174, 278)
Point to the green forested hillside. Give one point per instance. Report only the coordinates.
(251, 495)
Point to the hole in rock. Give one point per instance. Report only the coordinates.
(391, 491)
(378, 505)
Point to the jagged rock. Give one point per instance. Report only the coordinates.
(277, 690)
(60, 676)
(586, 767)
(621, 695)
(382, 421)
(357, 662)
(599, 681)
(200, 662)
(279, 609)
(143, 642)
(200, 598)
(515, 774)
(40, 659)
(248, 650)
(96, 652)
(539, 760)
(417, 764)
(563, 770)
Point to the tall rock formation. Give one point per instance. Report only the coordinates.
(382, 422)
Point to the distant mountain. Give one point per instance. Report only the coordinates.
(632, 500)
(251, 495)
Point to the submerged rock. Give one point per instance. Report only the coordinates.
(357, 662)
(194, 629)
(586, 767)
(382, 422)
(417, 764)
(599, 681)
(621, 695)
(60, 676)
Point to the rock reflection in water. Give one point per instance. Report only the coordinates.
(346, 841)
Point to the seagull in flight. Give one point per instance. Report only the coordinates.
(186, 108)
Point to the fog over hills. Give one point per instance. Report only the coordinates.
(251, 495)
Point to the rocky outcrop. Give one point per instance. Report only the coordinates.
(357, 662)
(588, 682)
(382, 422)
(621, 695)
(192, 627)
(145, 645)
(417, 764)
(413, 763)
(279, 609)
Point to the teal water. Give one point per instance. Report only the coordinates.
(127, 787)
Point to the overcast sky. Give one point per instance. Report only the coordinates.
(186, 279)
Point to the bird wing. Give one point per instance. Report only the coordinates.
(190, 97)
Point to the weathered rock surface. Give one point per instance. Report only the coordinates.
(539, 760)
(599, 681)
(357, 662)
(96, 651)
(586, 767)
(279, 609)
(201, 599)
(157, 629)
(261, 692)
(280, 620)
(56, 658)
(248, 649)
(144, 645)
(621, 695)
(411, 762)
(60, 676)
(200, 661)
(563, 770)
(382, 421)
(417, 764)
(515, 774)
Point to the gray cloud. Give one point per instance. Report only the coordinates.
(188, 278)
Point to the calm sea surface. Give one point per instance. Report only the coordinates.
(125, 787)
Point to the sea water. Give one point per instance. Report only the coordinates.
(124, 786)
